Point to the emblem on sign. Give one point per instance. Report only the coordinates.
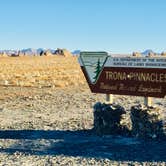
(93, 63)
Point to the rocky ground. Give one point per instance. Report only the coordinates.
(54, 126)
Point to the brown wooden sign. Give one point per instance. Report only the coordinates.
(137, 76)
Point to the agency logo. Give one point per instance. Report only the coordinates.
(93, 62)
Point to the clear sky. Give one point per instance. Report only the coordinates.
(118, 26)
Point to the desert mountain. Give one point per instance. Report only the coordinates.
(76, 52)
(36, 52)
(147, 52)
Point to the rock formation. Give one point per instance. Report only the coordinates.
(136, 54)
(47, 53)
(14, 55)
(63, 52)
(163, 53)
(151, 54)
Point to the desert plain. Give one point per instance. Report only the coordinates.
(46, 118)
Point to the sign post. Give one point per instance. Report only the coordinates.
(109, 98)
(134, 76)
(148, 101)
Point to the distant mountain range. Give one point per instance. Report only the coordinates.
(28, 51)
(31, 51)
(145, 53)
(76, 52)
(149, 51)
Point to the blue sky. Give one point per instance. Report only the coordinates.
(118, 26)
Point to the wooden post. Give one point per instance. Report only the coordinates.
(109, 98)
(148, 101)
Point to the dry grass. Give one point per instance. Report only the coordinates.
(40, 71)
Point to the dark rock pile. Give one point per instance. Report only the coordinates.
(140, 121)
(109, 119)
(148, 122)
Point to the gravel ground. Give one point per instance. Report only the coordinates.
(49, 126)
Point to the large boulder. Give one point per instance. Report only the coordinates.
(47, 53)
(163, 54)
(14, 55)
(66, 53)
(151, 54)
(136, 54)
(63, 52)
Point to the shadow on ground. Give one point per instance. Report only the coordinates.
(83, 143)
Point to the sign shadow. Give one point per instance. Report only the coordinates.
(83, 143)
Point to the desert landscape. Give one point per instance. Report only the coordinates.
(46, 114)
